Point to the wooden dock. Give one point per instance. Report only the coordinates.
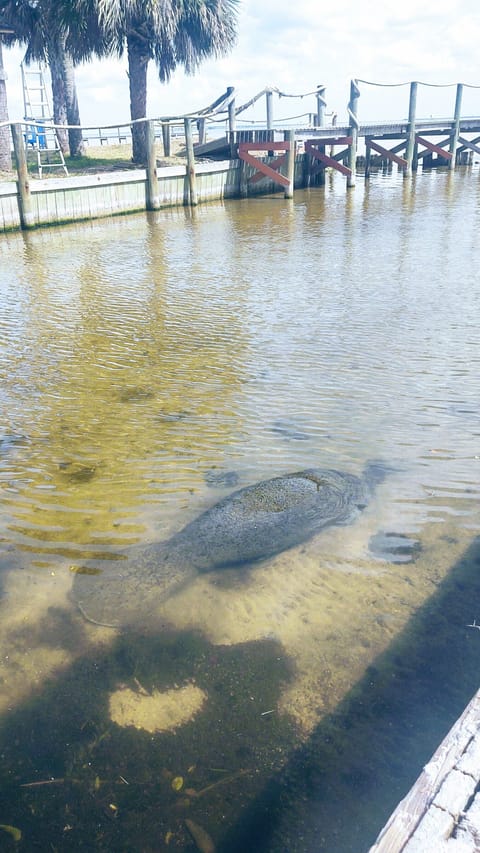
(441, 813)
(416, 140)
(431, 142)
(252, 161)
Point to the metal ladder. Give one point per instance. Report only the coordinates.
(40, 136)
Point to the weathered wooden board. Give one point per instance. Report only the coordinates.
(439, 806)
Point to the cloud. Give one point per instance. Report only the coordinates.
(296, 46)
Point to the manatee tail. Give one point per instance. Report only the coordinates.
(121, 593)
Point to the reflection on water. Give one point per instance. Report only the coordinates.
(148, 366)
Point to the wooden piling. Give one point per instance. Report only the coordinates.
(321, 175)
(353, 132)
(415, 157)
(321, 104)
(167, 148)
(269, 99)
(153, 195)
(243, 182)
(412, 108)
(307, 169)
(232, 122)
(290, 138)
(23, 183)
(368, 157)
(201, 131)
(192, 183)
(455, 126)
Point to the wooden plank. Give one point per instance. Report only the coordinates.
(467, 144)
(467, 831)
(214, 146)
(328, 161)
(431, 147)
(441, 145)
(470, 760)
(262, 146)
(330, 140)
(397, 129)
(95, 180)
(455, 791)
(266, 170)
(276, 165)
(432, 833)
(385, 152)
(407, 816)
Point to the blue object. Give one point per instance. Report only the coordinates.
(36, 136)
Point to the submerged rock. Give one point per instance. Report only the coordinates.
(394, 547)
(213, 477)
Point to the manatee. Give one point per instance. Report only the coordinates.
(248, 525)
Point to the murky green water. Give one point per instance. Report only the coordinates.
(148, 366)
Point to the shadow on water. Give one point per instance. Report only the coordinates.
(72, 779)
(339, 788)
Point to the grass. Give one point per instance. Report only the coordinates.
(100, 158)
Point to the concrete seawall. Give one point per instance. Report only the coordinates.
(71, 199)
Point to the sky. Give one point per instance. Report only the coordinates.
(297, 46)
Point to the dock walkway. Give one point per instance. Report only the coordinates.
(222, 145)
(441, 813)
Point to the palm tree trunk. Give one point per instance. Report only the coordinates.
(55, 63)
(65, 102)
(75, 138)
(5, 146)
(137, 78)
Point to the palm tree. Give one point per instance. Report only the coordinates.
(5, 148)
(170, 32)
(38, 25)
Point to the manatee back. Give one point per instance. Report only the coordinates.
(268, 517)
(249, 524)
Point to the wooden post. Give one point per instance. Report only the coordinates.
(321, 104)
(153, 196)
(269, 100)
(192, 184)
(290, 137)
(415, 157)
(368, 157)
(455, 126)
(412, 108)
(23, 184)
(322, 173)
(243, 185)
(269, 97)
(353, 132)
(232, 121)
(201, 131)
(167, 149)
(307, 159)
